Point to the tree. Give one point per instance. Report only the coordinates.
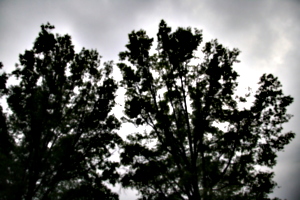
(188, 154)
(60, 132)
(6, 141)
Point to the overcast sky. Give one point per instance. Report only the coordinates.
(266, 31)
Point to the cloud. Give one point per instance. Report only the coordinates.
(266, 31)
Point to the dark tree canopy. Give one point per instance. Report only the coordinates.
(186, 155)
(59, 132)
(56, 141)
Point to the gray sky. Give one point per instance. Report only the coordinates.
(266, 31)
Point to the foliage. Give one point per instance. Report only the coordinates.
(56, 141)
(187, 155)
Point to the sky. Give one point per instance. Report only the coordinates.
(265, 31)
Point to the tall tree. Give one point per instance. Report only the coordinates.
(187, 155)
(61, 123)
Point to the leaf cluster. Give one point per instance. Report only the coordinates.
(185, 105)
(57, 139)
(61, 128)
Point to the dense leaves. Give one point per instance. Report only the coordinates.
(59, 131)
(56, 141)
(188, 154)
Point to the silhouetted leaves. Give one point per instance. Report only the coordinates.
(56, 140)
(187, 155)
(62, 129)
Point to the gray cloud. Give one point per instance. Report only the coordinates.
(266, 31)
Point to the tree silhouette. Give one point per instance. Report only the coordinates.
(56, 141)
(187, 155)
